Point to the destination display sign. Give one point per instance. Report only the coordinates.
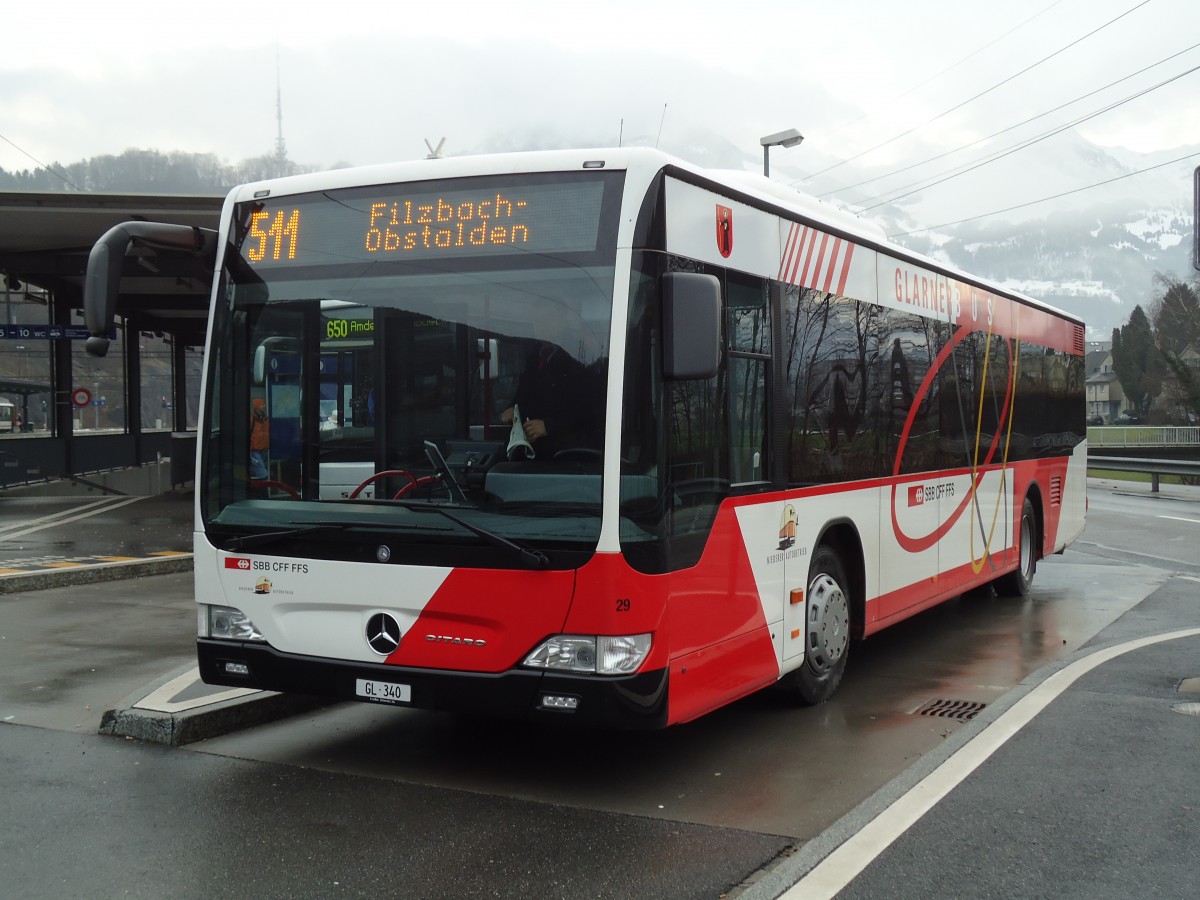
(472, 217)
(342, 329)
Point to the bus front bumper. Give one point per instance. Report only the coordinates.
(632, 701)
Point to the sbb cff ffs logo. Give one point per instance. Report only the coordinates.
(919, 493)
(237, 562)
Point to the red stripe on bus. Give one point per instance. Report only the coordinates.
(816, 271)
(812, 243)
(833, 258)
(841, 289)
(788, 248)
(803, 251)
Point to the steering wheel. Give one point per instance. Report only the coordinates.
(388, 473)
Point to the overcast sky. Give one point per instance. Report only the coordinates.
(368, 82)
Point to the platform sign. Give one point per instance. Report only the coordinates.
(48, 333)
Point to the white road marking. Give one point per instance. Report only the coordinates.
(160, 699)
(844, 864)
(60, 521)
(1179, 519)
(58, 515)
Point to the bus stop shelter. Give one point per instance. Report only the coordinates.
(91, 423)
(18, 393)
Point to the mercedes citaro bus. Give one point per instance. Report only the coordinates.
(785, 434)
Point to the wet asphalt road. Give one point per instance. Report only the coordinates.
(1098, 799)
(355, 800)
(37, 529)
(98, 817)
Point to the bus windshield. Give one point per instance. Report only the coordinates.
(366, 366)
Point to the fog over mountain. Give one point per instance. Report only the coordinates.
(1093, 252)
(1097, 262)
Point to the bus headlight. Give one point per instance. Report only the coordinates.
(227, 624)
(590, 654)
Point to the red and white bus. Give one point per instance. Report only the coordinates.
(770, 433)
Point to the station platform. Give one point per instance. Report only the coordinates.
(53, 540)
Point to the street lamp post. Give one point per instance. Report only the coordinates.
(789, 138)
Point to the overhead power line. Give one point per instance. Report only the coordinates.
(952, 66)
(925, 184)
(982, 93)
(40, 163)
(1079, 190)
(996, 134)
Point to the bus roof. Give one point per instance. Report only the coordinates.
(745, 185)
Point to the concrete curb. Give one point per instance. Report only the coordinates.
(93, 573)
(133, 717)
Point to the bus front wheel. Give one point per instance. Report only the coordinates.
(826, 630)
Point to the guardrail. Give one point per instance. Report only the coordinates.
(1155, 468)
(1143, 435)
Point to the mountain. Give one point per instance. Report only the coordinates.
(1098, 263)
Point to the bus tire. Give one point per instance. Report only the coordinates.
(1019, 582)
(827, 630)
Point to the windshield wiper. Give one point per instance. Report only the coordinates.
(535, 559)
(245, 541)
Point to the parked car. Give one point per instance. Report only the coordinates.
(1095, 420)
(1128, 418)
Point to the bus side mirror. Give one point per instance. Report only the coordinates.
(691, 325)
(259, 373)
(102, 280)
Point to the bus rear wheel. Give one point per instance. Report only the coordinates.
(1018, 583)
(826, 631)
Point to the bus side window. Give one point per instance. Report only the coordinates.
(748, 333)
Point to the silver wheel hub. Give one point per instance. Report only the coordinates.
(828, 627)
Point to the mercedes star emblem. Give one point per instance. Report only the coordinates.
(383, 634)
